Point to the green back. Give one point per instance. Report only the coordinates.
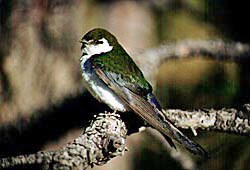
(123, 70)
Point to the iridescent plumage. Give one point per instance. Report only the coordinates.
(113, 78)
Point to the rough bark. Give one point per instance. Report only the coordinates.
(223, 120)
(101, 141)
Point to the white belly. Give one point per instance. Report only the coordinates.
(99, 89)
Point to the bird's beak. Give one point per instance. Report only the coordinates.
(84, 43)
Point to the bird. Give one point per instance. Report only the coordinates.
(113, 78)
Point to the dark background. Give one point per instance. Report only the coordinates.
(41, 93)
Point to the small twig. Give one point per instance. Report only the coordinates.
(224, 120)
(101, 141)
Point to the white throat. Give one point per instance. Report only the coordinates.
(92, 49)
(94, 84)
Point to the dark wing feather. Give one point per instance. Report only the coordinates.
(149, 111)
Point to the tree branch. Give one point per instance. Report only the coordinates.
(151, 59)
(224, 120)
(101, 141)
(105, 138)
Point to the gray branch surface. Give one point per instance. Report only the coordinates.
(224, 120)
(105, 138)
(101, 141)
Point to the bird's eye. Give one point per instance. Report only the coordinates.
(99, 42)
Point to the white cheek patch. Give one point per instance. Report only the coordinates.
(93, 49)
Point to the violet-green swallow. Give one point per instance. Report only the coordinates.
(112, 77)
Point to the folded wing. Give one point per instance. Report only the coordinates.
(147, 107)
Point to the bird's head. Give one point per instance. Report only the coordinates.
(98, 41)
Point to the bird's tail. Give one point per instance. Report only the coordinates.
(166, 127)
